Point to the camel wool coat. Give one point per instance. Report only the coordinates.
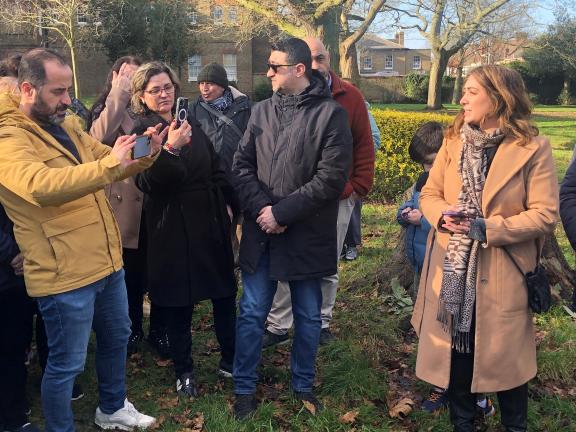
(520, 207)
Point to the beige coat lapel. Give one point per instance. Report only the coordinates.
(510, 158)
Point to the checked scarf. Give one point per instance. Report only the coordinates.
(458, 292)
(223, 102)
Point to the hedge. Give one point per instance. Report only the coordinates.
(394, 170)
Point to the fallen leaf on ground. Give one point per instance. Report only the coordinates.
(310, 407)
(168, 402)
(402, 408)
(349, 417)
(163, 363)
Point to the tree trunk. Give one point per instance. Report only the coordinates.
(457, 93)
(330, 34)
(73, 63)
(438, 67)
(557, 268)
(349, 63)
(567, 90)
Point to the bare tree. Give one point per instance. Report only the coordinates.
(63, 18)
(449, 25)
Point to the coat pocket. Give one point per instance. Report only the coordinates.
(74, 237)
(511, 286)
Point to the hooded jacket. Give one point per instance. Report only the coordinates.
(63, 222)
(295, 156)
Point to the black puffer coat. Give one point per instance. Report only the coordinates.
(222, 136)
(8, 250)
(189, 251)
(295, 156)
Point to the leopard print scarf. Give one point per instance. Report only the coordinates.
(458, 292)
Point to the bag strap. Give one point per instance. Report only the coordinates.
(223, 117)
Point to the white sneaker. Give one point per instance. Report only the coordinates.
(126, 418)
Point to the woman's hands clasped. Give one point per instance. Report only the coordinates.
(458, 224)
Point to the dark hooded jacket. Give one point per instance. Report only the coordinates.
(8, 251)
(295, 156)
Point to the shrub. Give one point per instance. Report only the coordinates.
(394, 170)
(416, 87)
(262, 90)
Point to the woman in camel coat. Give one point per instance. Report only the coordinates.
(482, 339)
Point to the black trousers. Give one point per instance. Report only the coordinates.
(16, 310)
(179, 322)
(513, 403)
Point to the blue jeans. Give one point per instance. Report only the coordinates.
(69, 318)
(256, 301)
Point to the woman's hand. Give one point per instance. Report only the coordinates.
(414, 216)
(124, 74)
(156, 137)
(454, 224)
(179, 137)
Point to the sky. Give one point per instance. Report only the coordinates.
(542, 16)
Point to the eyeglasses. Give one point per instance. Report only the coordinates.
(275, 67)
(168, 89)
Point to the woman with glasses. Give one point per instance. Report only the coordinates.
(188, 203)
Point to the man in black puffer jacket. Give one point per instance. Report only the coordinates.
(290, 169)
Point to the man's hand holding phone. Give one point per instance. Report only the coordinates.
(455, 220)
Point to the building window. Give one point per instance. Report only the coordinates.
(416, 63)
(81, 17)
(217, 14)
(192, 17)
(194, 67)
(388, 62)
(367, 63)
(229, 63)
(232, 15)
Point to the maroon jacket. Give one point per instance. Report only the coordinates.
(362, 171)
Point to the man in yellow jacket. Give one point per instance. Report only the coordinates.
(52, 176)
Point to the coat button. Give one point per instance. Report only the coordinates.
(484, 280)
(262, 244)
(138, 199)
(119, 197)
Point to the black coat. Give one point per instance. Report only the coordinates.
(568, 204)
(8, 250)
(295, 156)
(189, 249)
(224, 139)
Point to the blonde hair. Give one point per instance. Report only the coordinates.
(9, 85)
(140, 81)
(510, 103)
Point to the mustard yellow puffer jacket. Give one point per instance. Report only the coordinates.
(63, 222)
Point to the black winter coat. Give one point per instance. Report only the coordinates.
(189, 250)
(8, 250)
(222, 136)
(295, 156)
(568, 204)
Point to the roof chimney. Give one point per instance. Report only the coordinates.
(399, 38)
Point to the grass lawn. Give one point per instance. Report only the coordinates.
(362, 375)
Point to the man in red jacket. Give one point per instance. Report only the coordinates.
(358, 186)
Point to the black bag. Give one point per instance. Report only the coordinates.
(539, 295)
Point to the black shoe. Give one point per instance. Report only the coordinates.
(326, 336)
(28, 427)
(309, 397)
(225, 369)
(77, 392)
(159, 340)
(270, 339)
(134, 342)
(186, 386)
(244, 406)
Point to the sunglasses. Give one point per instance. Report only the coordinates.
(275, 67)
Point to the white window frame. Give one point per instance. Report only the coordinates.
(194, 66)
(217, 14)
(192, 17)
(416, 65)
(388, 62)
(81, 17)
(230, 63)
(232, 14)
(367, 62)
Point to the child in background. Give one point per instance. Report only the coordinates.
(423, 150)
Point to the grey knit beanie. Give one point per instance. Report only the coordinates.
(214, 73)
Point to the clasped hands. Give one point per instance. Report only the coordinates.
(456, 224)
(268, 223)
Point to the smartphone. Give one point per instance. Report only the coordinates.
(181, 110)
(455, 214)
(142, 147)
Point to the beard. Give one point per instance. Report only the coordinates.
(46, 115)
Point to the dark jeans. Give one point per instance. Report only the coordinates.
(179, 321)
(354, 233)
(513, 403)
(16, 310)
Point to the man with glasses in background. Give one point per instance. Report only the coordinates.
(290, 169)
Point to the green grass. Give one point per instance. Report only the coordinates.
(455, 107)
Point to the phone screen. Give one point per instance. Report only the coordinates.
(142, 147)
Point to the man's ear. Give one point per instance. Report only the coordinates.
(300, 70)
(27, 89)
